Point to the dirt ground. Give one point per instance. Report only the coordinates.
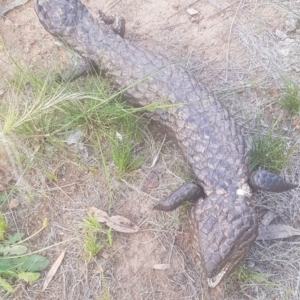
(239, 49)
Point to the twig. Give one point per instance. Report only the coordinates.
(155, 158)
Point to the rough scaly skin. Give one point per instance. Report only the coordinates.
(223, 226)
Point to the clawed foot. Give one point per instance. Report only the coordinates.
(187, 192)
(268, 181)
(78, 69)
(116, 21)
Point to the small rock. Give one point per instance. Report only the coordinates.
(251, 264)
(13, 203)
(285, 128)
(74, 138)
(119, 136)
(280, 34)
(107, 272)
(161, 266)
(175, 6)
(285, 52)
(180, 278)
(105, 255)
(291, 24)
(58, 43)
(244, 190)
(192, 11)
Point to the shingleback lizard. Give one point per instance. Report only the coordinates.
(223, 225)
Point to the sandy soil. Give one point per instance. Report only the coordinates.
(237, 49)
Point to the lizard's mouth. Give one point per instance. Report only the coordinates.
(214, 281)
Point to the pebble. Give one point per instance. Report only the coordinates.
(192, 11)
(180, 278)
(292, 24)
(13, 203)
(250, 263)
(105, 255)
(281, 34)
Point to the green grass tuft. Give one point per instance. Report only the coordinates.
(3, 226)
(268, 151)
(91, 245)
(95, 237)
(38, 115)
(291, 98)
(123, 145)
(246, 275)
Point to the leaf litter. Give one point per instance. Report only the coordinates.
(118, 223)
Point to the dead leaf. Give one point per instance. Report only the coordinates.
(151, 181)
(268, 218)
(180, 278)
(161, 266)
(273, 232)
(274, 92)
(74, 138)
(118, 223)
(100, 215)
(53, 270)
(296, 123)
(122, 224)
(9, 6)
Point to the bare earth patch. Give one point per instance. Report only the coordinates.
(239, 49)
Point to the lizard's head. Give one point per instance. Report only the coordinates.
(59, 16)
(223, 228)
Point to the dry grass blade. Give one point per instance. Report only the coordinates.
(161, 266)
(155, 158)
(53, 270)
(273, 232)
(268, 218)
